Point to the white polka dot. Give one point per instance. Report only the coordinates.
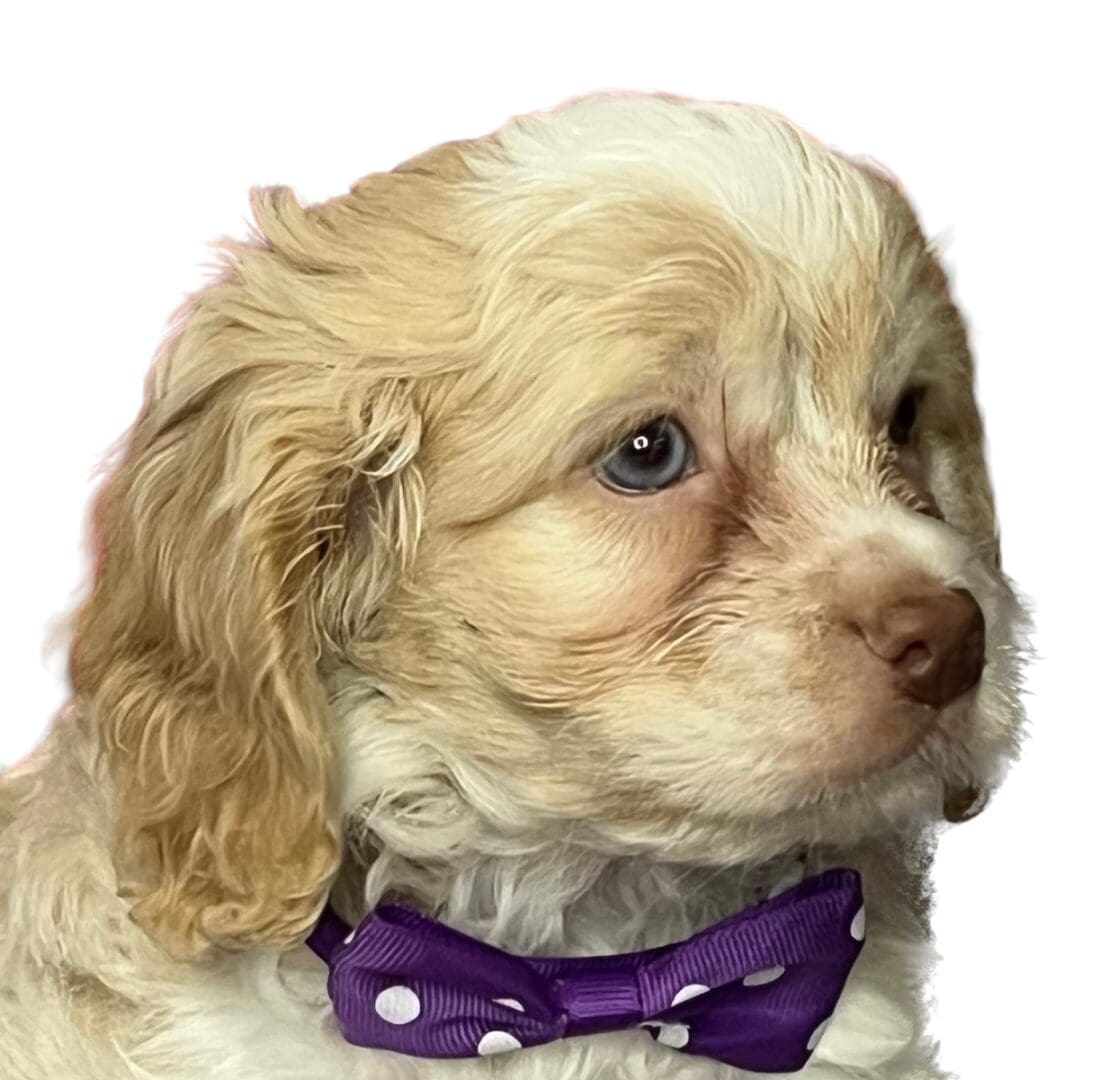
(497, 1042)
(349, 937)
(509, 1003)
(673, 1035)
(397, 1005)
(690, 991)
(763, 977)
(789, 880)
(817, 1034)
(858, 926)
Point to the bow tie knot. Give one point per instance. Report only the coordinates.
(754, 991)
(597, 1001)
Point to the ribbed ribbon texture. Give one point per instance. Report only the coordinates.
(755, 990)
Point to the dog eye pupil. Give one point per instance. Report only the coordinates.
(653, 457)
(904, 418)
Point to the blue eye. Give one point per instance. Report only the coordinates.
(654, 457)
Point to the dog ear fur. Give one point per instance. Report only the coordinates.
(271, 465)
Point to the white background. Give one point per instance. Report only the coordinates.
(132, 135)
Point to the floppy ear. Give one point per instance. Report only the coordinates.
(220, 561)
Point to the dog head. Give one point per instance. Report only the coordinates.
(629, 453)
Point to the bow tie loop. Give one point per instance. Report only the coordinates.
(398, 959)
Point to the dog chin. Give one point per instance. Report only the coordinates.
(948, 754)
(933, 782)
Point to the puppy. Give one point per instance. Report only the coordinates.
(578, 533)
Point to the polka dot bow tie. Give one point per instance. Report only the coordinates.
(755, 991)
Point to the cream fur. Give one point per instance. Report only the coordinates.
(382, 608)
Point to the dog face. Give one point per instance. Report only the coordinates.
(631, 452)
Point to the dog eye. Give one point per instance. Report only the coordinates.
(654, 457)
(904, 417)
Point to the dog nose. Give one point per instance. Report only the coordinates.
(935, 642)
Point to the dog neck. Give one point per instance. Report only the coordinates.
(451, 842)
(569, 901)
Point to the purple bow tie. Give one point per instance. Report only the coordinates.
(754, 991)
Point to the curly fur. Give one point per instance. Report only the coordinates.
(363, 624)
